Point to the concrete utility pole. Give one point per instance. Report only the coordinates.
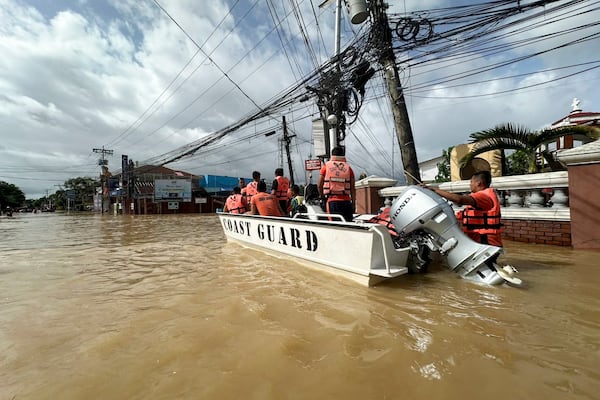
(286, 140)
(103, 163)
(388, 61)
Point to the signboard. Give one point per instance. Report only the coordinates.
(312, 165)
(173, 205)
(201, 200)
(173, 190)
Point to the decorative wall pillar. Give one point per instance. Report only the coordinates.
(534, 199)
(559, 199)
(368, 200)
(583, 164)
(514, 199)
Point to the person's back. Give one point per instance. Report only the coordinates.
(336, 183)
(251, 188)
(280, 187)
(236, 202)
(264, 203)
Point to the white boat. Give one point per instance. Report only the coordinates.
(361, 251)
(367, 252)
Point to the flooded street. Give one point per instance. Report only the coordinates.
(161, 307)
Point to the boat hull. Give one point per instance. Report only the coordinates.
(361, 251)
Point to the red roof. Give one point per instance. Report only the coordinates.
(578, 118)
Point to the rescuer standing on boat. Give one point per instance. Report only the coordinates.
(481, 217)
(336, 183)
(280, 188)
(251, 188)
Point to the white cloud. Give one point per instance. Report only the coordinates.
(77, 78)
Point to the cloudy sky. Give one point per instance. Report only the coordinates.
(146, 78)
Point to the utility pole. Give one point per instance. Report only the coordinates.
(64, 193)
(332, 108)
(48, 200)
(286, 140)
(388, 60)
(330, 111)
(103, 163)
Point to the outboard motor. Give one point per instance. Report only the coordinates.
(422, 218)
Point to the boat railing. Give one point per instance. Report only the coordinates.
(320, 216)
(384, 235)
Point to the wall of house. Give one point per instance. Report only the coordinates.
(148, 206)
(584, 200)
(556, 233)
(367, 200)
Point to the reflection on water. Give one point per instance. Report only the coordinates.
(161, 307)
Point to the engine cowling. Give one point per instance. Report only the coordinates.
(419, 210)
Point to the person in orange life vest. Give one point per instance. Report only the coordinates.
(242, 185)
(250, 189)
(336, 183)
(280, 188)
(481, 217)
(236, 202)
(263, 203)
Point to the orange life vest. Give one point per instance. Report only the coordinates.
(250, 190)
(236, 204)
(482, 222)
(283, 184)
(383, 218)
(337, 178)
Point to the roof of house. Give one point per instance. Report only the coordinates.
(160, 170)
(578, 117)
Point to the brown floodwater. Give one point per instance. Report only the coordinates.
(162, 307)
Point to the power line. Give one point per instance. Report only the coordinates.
(207, 56)
(146, 114)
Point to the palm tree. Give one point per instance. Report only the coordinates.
(509, 136)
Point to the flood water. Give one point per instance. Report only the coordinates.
(161, 307)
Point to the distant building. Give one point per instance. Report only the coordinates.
(577, 117)
(135, 192)
(219, 184)
(429, 169)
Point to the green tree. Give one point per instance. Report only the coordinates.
(443, 167)
(11, 195)
(84, 188)
(509, 136)
(517, 163)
